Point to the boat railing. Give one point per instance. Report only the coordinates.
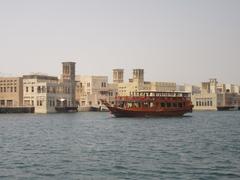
(148, 98)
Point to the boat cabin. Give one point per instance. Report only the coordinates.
(154, 100)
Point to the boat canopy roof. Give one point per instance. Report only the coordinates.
(161, 93)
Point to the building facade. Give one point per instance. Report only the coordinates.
(91, 89)
(46, 93)
(11, 91)
(137, 83)
(216, 96)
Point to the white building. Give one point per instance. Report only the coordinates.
(45, 93)
(216, 96)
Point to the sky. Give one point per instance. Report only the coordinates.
(183, 41)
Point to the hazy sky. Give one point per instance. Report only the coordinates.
(173, 40)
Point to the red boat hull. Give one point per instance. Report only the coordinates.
(119, 112)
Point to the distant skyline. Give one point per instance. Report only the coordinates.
(184, 41)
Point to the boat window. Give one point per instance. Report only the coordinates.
(145, 104)
(162, 104)
(168, 104)
(179, 104)
(151, 104)
(129, 105)
(174, 104)
(121, 104)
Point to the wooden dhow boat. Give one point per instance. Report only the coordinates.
(151, 104)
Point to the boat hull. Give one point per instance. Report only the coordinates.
(118, 112)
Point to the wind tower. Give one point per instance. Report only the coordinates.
(118, 76)
(68, 76)
(138, 75)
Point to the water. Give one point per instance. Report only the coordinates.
(205, 145)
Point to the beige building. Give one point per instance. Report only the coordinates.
(189, 88)
(215, 96)
(91, 89)
(45, 93)
(137, 83)
(205, 101)
(11, 91)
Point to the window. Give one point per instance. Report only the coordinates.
(43, 89)
(2, 103)
(15, 89)
(151, 104)
(39, 102)
(104, 84)
(9, 102)
(162, 104)
(168, 104)
(39, 89)
(32, 89)
(179, 104)
(145, 104)
(88, 84)
(26, 89)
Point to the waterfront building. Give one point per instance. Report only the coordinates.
(11, 91)
(215, 96)
(91, 89)
(46, 93)
(137, 83)
(189, 88)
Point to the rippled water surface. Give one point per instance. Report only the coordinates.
(205, 145)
